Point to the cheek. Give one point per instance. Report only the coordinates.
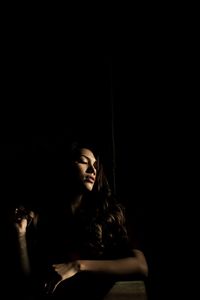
(80, 171)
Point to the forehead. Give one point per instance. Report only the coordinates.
(88, 153)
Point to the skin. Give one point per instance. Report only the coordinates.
(85, 170)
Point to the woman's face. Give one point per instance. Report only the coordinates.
(86, 168)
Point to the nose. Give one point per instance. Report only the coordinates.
(91, 169)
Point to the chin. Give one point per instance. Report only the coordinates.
(89, 186)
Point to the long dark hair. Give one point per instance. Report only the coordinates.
(102, 216)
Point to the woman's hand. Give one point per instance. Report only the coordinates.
(63, 271)
(66, 270)
(21, 226)
(23, 218)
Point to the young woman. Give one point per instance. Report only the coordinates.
(82, 245)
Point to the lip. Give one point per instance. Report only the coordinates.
(90, 179)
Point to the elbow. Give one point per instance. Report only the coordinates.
(142, 263)
(144, 270)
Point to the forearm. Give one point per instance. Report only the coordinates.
(23, 254)
(124, 266)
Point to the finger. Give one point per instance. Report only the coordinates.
(50, 286)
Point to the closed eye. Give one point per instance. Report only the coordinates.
(85, 160)
(82, 160)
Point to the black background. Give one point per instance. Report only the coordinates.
(100, 97)
(136, 103)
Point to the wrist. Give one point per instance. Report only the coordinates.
(21, 234)
(81, 266)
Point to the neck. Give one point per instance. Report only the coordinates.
(76, 202)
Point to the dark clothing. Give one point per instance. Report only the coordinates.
(66, 238)
(83, 285)
(62, 237)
